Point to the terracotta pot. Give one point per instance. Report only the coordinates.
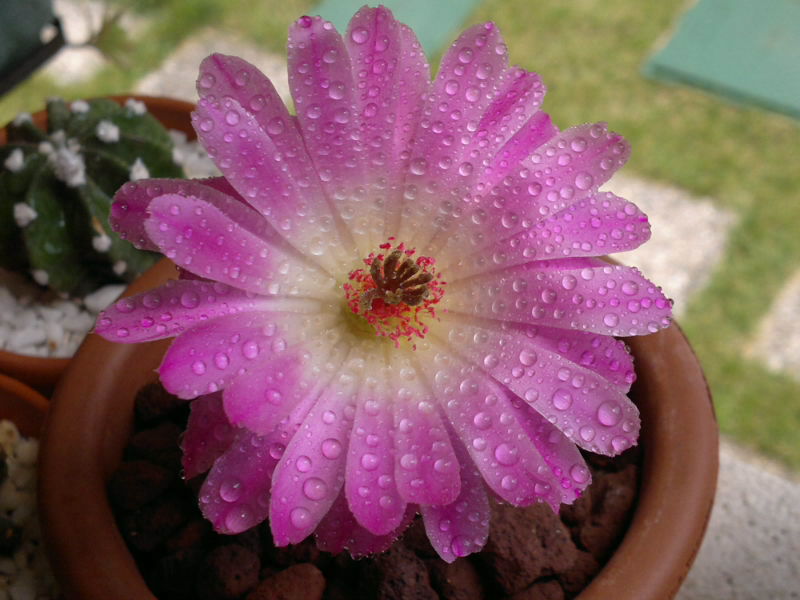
(22, 405)
(91, 419)
(41, 372)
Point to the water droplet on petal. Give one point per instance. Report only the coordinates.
(198, 367)
(506, 454)
(359, 35)
(408, 461)
(300, 517)
(527, 357)
(579, 473)
(562, 399)
(315, 489)
(620, 443)
(609, 413)
(230, 490)
(275, 126)
(482, 420)
(331, 448)
(369, 461)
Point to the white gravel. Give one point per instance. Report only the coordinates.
(26, 574)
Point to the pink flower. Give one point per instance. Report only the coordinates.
(391, 303)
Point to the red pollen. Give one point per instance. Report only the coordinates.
(383, 307)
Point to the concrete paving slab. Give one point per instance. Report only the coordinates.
(177, 75)
(777, 342)
(752, 548)
(688, 239)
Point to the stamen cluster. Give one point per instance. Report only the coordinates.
(396, 293)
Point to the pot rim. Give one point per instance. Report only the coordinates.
(43, 372)
(22, 405)
(679, 439)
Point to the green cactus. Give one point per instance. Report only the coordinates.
(56, 189)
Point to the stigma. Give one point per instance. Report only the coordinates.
(397, 293)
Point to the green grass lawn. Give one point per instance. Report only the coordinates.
(589, 53)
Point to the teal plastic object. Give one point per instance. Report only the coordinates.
(21, 22)
(747, 51)
(436, 22)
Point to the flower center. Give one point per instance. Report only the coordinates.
(396, 293)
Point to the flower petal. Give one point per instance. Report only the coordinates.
(426, 469)
(520, 346)
(558, 451)
(310, 475)
(208, 356)
(563, 171)
(322, 86)
(261, 398)
(461, 527)
(233, 77)
(391, 75)
(484, 421)
(252, 162)
(598, 225)
(208, 434)
(583, 294)
(370, 487)
(518, 97)
(535, 132)
(201, 238)
(340, 531)
(440, 173)
(172, 308)
(235, 495)
(590, 410)
(130, 207)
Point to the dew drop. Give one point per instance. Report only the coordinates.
(315, 489)
(630, 288)
(198, 367)
(506, 454)
(409, 461)
(331, 448)
(562, 399)
(221, 360)
(275, 126)
(369, 461)
(230, 490)
(609, 413)
(465, 55)
(250, 350)
(190, 299)
(587, 433)
(509, 482)
(568, 282)
(611, 319)
(125, 305)
(482, 420)
(579, 473)
(620, 443)
(151, 300)
(303, 464)
(300, 517)
(527, 357)
(359, 35)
